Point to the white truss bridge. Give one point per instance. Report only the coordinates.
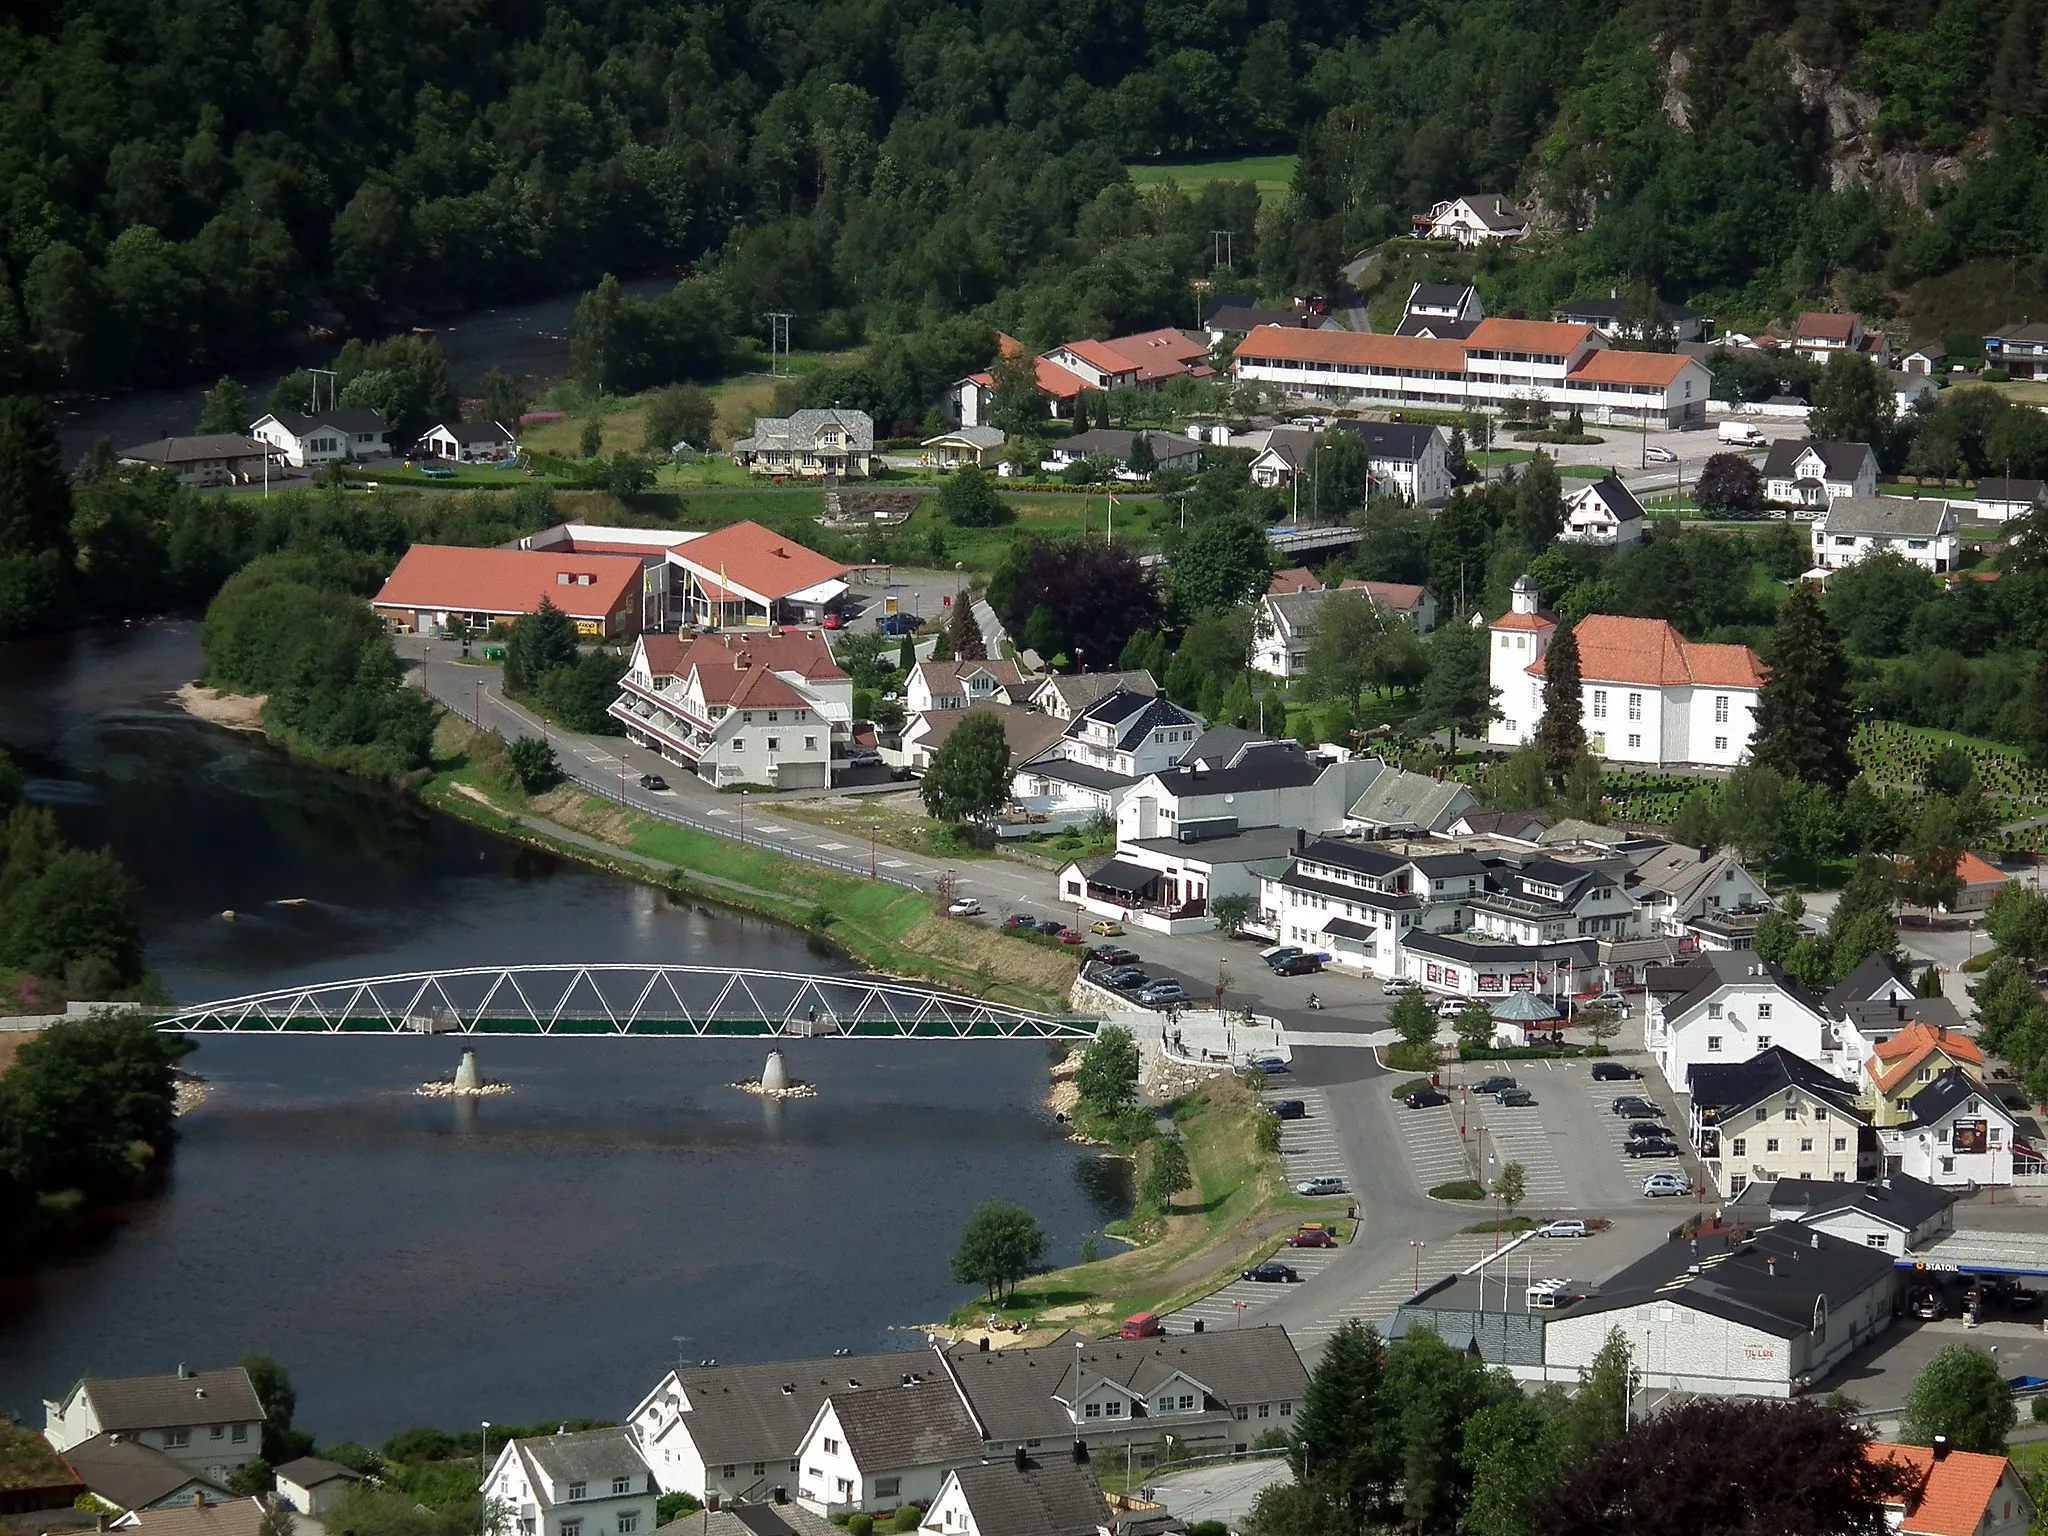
(679, 1000)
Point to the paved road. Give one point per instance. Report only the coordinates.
(1223, 1492)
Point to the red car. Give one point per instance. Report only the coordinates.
(830, 621)
(1068, 936)
(1312, 1237)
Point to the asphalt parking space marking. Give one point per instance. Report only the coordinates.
(1442, 1257)
(715, 812)
(832, 847)
(1432, 1145)
(1614, 1131)
(1309, 1147)
(894, 864)
(1220, 1309)
(1518, 1136)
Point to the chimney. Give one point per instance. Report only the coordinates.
(184, 1371)
(198, 1498)
(1198, 1325)
(1080, 1453)
(99, 1522)
(1816, 1239)
(1300, 838)
(781, 1494)
(1940, 1447)
(983, 1346)
(1023, 1461)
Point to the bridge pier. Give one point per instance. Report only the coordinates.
(469, 1076)
(775, 1075)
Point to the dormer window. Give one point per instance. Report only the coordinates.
(576, 1490)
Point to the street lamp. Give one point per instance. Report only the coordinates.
(1417, 1248)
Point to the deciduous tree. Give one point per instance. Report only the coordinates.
(998, 1248)
(968, 778)
(1729, 482)
(1960, 1393)
(226, 408)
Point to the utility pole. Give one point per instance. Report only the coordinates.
(778, 340)
(332, 379)
(1222, 248)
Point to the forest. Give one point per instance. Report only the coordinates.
(190, 185)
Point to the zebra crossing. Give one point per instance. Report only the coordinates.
(1434, 1260)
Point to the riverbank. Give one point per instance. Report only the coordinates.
(234, 711)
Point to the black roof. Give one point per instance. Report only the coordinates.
(1610, 309)
(1941, 1097)
(1729, 1087)
(1871, 978)
(1899, 1199)
(1619, 498)
(1261, 766)
(1463, 946)
(1711, 970)
(1843, 460)
(1404, 442)
(1438, 295)
(1233, 318)
(1388, 901)
(1362, 858)
(1442, 327)
(1998, 488)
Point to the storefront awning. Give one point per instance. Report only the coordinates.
(1124, 877)
(1349, 928)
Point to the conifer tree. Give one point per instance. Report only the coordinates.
(1803, 723)
(1562, 731)
(1081, 412)
(968, 644)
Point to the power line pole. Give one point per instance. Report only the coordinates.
(332, 379)
(778, 339)
(1222, 249)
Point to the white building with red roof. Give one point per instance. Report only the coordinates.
(1143, 361)
(435, 583)
(1960, 1493)
(754, 708)
(1651, 697)
(746, 576)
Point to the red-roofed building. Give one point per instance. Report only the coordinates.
(1982, 881)
(1901, 1066)
(747, 576)
(1961, 1493)
(770, 707)
(1143, 361)
(1650, 696)
(1820, 336)
(436, 582)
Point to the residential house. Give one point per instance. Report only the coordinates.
(968, 401)
(1929, 359)
(1143, 361)
(1908, 390)
(1775, 1116)
(748, 576)
(724, 1433)
(1281, 456)
(324, 437)
(1088, 764)
(1909, 1062)
(2000, 499)
(1916, 528)
(1821, 337)
(313, 1486)
(1603, 512)
(1295, 579)
(880, 1447)
(1406, 459)
(1285, 625)
(1981, 883)
(1755, 1312)
(1024, 1496)
(1649, 696)
(227, 1517)
(1398, 801)
(120, 1470)
(1497, 365)
(2021, 350)
(1262, 784)
(1959, 1135)
(35, 1478)
(1956, 1493)
(594, 1482)
(435, 584)
(1524, 828)
(833, 443)
(1808, 474)
(964, 684)
(1029, 736)
(1415, 606)
(1169, 449)
(1357, 901)
(981, 446)
(1875, 979)
(764, 709)
(1064, 695)
(1678, 884)
(1729, 1006)
(1544, 899)
(467, 441)
(1479, 218)
(1895, 1214)
(210, 1421)
(781, 1517)
(1610, 317)
(213, 458)
(1228, 316)
(1441, 311)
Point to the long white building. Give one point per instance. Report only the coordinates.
(1500, 364)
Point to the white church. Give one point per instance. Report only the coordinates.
(1652, 698)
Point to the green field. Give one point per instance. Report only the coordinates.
(1273, 173)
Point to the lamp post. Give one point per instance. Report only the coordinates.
(1416, 1247)
(483, 1470)
(743, 818)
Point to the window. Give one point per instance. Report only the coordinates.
(217, 1431)
(1287, 1410)
(1720, 709)
(1770, 1143)
(576, 1490)
(1713, 1042)
(1876, 1240)
(1819, 1115)
(1243, 1414)
(1763, 1010)
(1713, 1010)
(845, 1487)
(177, 1437)
(625, 1485)
(1599, 703)
(831, 1446)
(1763, 1042)
(572, 1528)
(760, 1469)
(1791, 1111)
(1092, 1411)
(1113, 1409)
(1948, 1165)
(888, 1487)
(773, 717)
(241, 1434)
(1265, 1410)
(1762, 1115)
(1841, 1143)
(629, 1521)
(810, 743)
(1806, 1143)
(1737, 1147)
(1635, 741)
(774, 743)
(1635, 706)
(1720, 743)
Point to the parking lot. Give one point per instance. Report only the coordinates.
(1308, 1146)
(1236, 1303)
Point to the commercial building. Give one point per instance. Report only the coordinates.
(1777, 1118)
(747, 576)
(434, 583)
(1895, 1214)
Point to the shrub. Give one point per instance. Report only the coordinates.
(906, 1518)
(860, 1525)
(1411, 1058)
(1413, 1085)
(532, 761)
(1459, 1189)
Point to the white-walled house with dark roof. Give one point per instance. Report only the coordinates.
(594, 1482)
(210, 1421)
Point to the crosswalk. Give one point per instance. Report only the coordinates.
(1434, 1260)
(1432, 1144)
(1516, 1135)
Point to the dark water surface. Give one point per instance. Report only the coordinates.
(543, 1254)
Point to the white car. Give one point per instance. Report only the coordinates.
(1570, 1226)
(1608, 999)
(1657, 1184)
(1659, 455)
(966, 906)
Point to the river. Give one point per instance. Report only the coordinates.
(535, 1256)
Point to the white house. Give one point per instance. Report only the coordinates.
(2022, 350)
(752, 708)
(2000, 500)
(1917, 528)
(1908, 390)
(1930, 358)
(1648, 695)
(1480, 218)
(1959, 1135)
(1444, 311)
(1726, 1006)
(1895, 1214)
(1822, 337)
(1024, 1496)
(881, 1447)
(1064, 695)
(307, 441)
(1957, 1493)
(1678, 884)
(1262, 784)
(1603, 512)
(1129, 734)
(1285, 625)
(313, 1486)
(1406, 459)
(1358, 901)
(1806, 474)
(1775, 1116)
(467, 441)
(591, 1483)
(1610, 317)
(210, 1421)
(964, 684)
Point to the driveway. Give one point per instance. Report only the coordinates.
(1223, 1492)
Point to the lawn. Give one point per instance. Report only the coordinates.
(739, 400)
(1273, 173)
(1054, 516)
(2023, 391)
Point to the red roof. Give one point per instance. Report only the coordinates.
(1397, 595)
(1958, 1492)
(1892, 1060)
(1652, 653)
(802, 651)
(1101, 355)
(768, 564)
(1163, 354)
(509, 581)
(1374, 350)
(1529, 621)
(1298, 579)
(1608, 366)
(1976, 871)
(1548, 336)
(1821, 326)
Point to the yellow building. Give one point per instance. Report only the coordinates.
(1900, 1067)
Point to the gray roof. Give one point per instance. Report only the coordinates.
(1080, 689)
(1393, 442)
(1494, 210)
(1889, 517)
(760, 1412)
(924, 1424)
(1475, 948)
(1401, 799)
(1382, 901)
(1875, 976)
(1711, 970)
(1844, 461)
(1133, 714)
(1235, 318)
(800, 430)
(133, 1475)
(1068, 771)
(1522, 826)
(2034, 331)
(1523, 1008)
(1239, 848)
(1056, 1497)
(1899, 1199)
(1999, 488)
(311, 1471)
(127, 1403)
(587, 1456)
(1220, 744)
(1117, 445)
(171, 451)
(790, 1519)
(352, 420)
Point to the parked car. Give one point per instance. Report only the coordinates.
(1651, 1149)
(1314, 1235)
(1281, 955)
(1069, 936)
(1271, 1273)
(864, 757)
(1107, 928)
(653, 781)
(1494, 1084)
(1657, 1185)
(899, 623)
(1570, 1226)
(1141, 1325)
(1636, 1107)
(1287, 1109)
(1017, 922)
(966, 906)
(1050, 926)
(1161, 993)
(1648, 1130)
(1111, 954)
(1608, 999)
(1272, 1066)
(1426, 1098)
(1297, 965)
(1656, 453)
(831, 620)
(1399, 985)
(1126, 978)
(1613, 1072)
(1321, 1184)
(1449, 1007)
(1927, 1305)
(1514, 1098)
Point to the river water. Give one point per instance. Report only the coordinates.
(535, 1256)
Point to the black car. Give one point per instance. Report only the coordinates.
(1111, 954)
(1287, 1109)
(1049, 926)
(1652, 1149)
(1270, 1273)
(1500, 1082)
(1426, 1098)
(653, 781)
(1637, 1108)
(1648, 1130)
(1297, 965)
(1613, 1072)
(1128, 977)
(1278, 957)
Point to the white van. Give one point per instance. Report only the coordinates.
(1742, 434)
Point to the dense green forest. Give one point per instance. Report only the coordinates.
(186, 185)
